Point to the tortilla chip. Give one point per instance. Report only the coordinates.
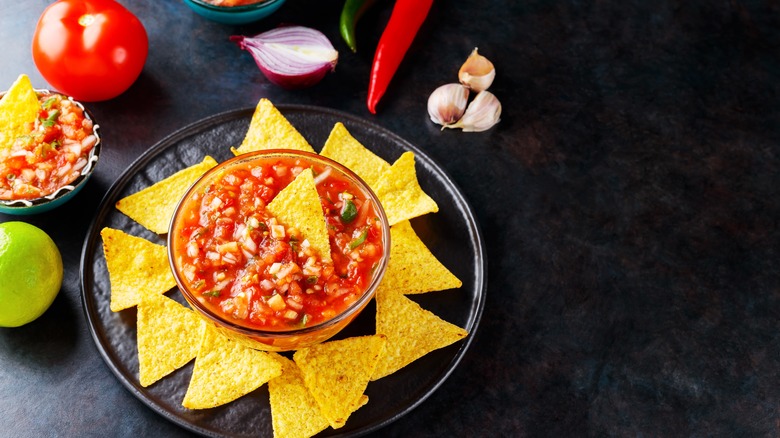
(343, 148)
(154, 206)
(298, 206)
(408, 258)
(337, 373)
(400, 193)
(136, 268)
(168, 336)
(411, 331)
(19, 108)
(294, 411)
(226, 370)
(269, 129)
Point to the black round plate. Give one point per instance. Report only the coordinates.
(452, 235)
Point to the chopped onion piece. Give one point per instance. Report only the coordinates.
(277, 303)
(322, 177)
(291, 56)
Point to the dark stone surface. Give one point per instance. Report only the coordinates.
(628, 198)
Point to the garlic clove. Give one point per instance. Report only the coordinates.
(482, 114)
(447, 103)
(477, 73)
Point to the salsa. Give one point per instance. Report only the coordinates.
(242, 264)
(52, 155)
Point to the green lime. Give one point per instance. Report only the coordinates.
(30, 273)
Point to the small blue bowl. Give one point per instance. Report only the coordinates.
(235, 14)
(63, 194)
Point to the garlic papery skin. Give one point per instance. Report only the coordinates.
(477, 73)
(447, 103)
(482, 114)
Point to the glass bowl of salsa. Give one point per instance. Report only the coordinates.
(262, 282)
(47, 166)
(234, 11)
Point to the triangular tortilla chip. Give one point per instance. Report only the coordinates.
(136, 267)
(154, 206)
(411, 331)
(294, 411)
(226, 370)
(343, 148)
(409, 257)
(298, 206)
(400, 193)
(168, 334)
(269, 129)
(19, 108)
(337, 372)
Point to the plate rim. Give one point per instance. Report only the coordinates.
(201, 125)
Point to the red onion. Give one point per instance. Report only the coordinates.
(291, 56)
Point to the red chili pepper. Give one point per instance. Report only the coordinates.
(405, 21)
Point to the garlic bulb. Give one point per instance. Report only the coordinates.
(482, 113)
(447, 103)
(477, 72)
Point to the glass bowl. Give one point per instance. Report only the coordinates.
(63, 193)
(188, 219)
(235, 14)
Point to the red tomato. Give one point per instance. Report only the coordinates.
(89, 49)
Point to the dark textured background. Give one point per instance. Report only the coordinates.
(628, 199)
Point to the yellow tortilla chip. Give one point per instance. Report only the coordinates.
(298, 206)
(269, 129)
(294, 411)
(337, 373)
(226, 370)
(409, 257)
(136, 268)
(169, 335)
(411, 331)
(400, 193)
(19, 108)
(154, 206)
(343, 148)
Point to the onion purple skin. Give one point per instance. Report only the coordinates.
(291, 76)
(296, 82)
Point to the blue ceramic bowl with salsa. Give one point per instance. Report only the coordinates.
(259, 284)
(242, 14)
(79, 171)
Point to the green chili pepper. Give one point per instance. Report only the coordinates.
(51, 119)
(357, 242)
(353, 10)
(46, 105)
(213, 293)
(348, 212)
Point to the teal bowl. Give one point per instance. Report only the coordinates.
(20, 207)
(235, 14)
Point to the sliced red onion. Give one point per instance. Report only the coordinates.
(291, 56)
